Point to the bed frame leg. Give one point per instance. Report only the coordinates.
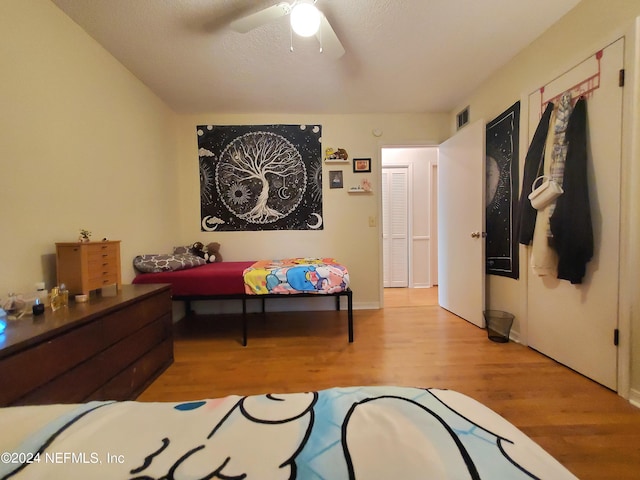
(244, 322)
(350, 314)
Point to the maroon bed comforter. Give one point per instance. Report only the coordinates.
(223, 278)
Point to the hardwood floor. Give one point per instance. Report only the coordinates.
(412, 342)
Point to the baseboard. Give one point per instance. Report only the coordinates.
(366, 305)
(634, 397)
(514, 336)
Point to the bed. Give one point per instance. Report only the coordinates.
(339, 433)
(284, 278)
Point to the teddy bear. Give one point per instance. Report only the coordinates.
(333, 154)
(211, 252)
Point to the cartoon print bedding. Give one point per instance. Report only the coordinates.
(296, 275)
(340, 433)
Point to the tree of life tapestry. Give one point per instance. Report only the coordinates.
(502, 193)
(260, 177)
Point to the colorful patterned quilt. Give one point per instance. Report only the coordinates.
(296, 275)
(341, 433)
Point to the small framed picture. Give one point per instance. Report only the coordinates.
(361, 165)
(335, 179)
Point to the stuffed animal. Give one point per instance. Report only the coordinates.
(213, 252)
(199, 250)
(333, 154)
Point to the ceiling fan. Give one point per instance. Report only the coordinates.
(306, 21)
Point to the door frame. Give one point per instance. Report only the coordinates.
(433, 200)
(629, 271)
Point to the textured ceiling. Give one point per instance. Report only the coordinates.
(401, 55)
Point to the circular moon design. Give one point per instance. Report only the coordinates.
(493, 178)
(205, 224)
(283, 193)
(318, 224)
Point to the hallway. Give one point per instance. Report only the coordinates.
(410, 297)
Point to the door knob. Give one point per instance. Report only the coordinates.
(475, 234)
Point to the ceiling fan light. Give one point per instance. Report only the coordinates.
(305, 19)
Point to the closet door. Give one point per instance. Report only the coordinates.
(575, 324)
(395, 226)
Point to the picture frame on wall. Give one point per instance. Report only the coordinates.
(335, 179)
(361, 165)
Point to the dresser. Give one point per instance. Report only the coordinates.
(109, 348)
(83, 267)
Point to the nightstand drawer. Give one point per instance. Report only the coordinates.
(88, 266)
(102, 279)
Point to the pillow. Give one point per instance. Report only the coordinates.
(210, 253)
(181, 249)
(167, 263)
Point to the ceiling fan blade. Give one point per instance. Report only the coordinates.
(262, 17)
(329, 41)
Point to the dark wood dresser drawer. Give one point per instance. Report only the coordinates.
(88, 351)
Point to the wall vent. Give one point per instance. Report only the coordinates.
(462, 118)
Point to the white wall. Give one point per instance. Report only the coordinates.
(83, 144)
(347, 235)
(589, 27)
(423, 228)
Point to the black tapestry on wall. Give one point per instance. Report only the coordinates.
(502, 193)
(260, 177)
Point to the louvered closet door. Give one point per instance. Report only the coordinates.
(395, 236)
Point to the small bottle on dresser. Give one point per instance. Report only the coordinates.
(64, 293)
(41, 294)
(55, 299)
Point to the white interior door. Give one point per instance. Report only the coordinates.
(461, 217)
(575, 324)
(395, 234)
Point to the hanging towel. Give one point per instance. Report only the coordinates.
(526, 218)
(571, 220)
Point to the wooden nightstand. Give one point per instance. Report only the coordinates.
(83, 267)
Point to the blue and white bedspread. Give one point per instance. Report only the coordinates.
(362, 432)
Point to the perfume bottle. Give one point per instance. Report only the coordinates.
(3, 320)
(14, 306)
(37, 308)
(64, 293)
(56, 299)
(42, 294)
